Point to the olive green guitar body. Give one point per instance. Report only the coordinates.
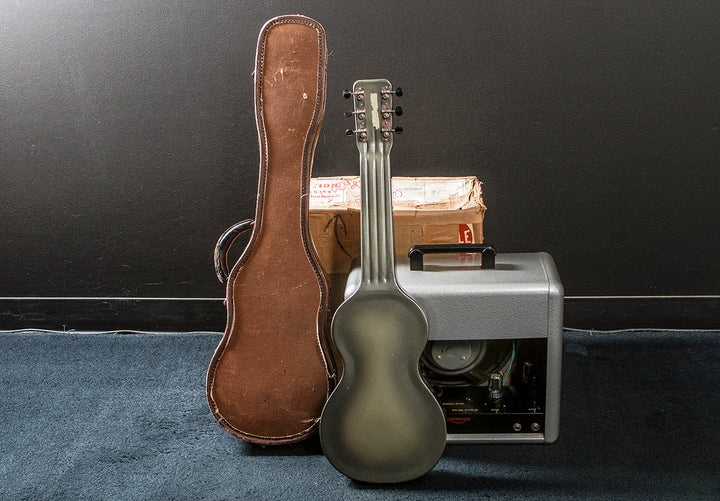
(381, 423)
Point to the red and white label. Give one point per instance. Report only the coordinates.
(465, 234)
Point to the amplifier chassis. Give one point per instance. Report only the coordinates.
(494, 353)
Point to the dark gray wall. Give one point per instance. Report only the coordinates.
(128, 143)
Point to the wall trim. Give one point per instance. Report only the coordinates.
(642, 312)
(113, 313)
(208, 314)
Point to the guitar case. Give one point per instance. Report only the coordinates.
(273, 370)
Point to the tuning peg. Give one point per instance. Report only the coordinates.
(398, 111)
(347, 94)
(349, 132)
(398, 130)
(360, 114)
(386, 92)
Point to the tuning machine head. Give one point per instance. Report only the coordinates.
(397, 91)
(388, 111)
(397, 110)
(359, 93)
(373, 110)
(359, 112)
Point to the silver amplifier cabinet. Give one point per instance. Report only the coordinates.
(494, 354)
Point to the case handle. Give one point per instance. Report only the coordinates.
(224, 243)
(416, 253)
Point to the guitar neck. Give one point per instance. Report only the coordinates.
(374, 137)
(377, 248)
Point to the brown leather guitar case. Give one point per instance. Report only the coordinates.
(273, 371)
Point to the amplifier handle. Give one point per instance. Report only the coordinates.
(416, 252)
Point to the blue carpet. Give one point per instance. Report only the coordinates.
(124, 416)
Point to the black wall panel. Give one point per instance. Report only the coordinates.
(128, 142)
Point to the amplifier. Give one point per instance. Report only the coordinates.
(494, 351)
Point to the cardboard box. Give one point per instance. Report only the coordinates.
(426, 210)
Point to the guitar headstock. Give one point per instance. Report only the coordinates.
(373, 111)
